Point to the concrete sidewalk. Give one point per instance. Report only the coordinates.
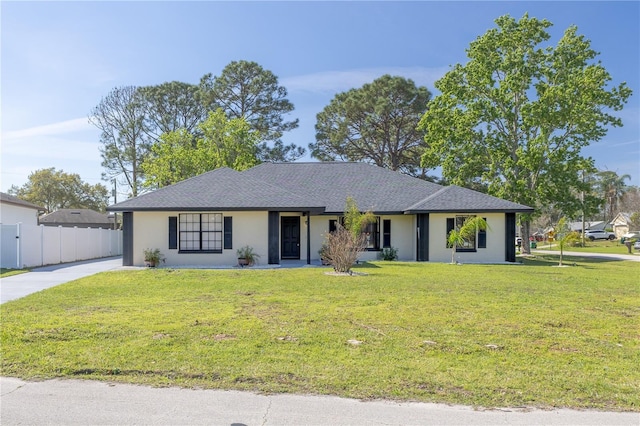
(79, 402)
(17, 286)
(633, 257)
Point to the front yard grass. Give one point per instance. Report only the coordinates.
(483, 335)
(7, 272)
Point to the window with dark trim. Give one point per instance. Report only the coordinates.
(470, 243)
(372, 231)
(201, 232)
(386, 233)
(482, 236)
(332, 225)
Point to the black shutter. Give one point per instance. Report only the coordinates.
(451, 223)
(386, 233)
(228, 232)
(173, 232)
(482, 237)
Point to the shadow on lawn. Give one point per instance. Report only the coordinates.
(365, 265)
(553, 259)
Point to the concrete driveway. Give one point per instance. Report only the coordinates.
(76, 402)
(17, 286)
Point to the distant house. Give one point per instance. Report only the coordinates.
(284, 211)
(13, 210)
(81, 218)
(621, 224)
(593, 225)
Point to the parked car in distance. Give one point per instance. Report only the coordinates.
(599, 234)
(636, 245)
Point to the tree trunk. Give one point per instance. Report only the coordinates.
(525, 233)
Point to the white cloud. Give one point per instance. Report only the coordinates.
(48, 130)
(330, 82)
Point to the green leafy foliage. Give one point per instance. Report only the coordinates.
(343, 246)
(564, 237)
(172, 106)
(54, 189)
(180, 155)
(516, 116)
(375, 123)
(469, 228)
(246, 90)
(611, 187)
(388, 254)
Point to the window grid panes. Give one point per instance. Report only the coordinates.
(201, 232)
(470, 242)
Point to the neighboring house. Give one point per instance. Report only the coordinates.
(621, 224)
(592, 225)
(285, 210)
(81, 218)
(13, 210)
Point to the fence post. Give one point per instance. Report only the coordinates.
(41, 245)
(60, 245)
(18, 245)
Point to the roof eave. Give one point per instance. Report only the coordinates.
(313, 210)
(423, 211)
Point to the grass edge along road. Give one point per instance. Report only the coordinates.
(481, 335)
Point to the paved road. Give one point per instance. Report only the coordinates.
(17, 286)
(75, 402)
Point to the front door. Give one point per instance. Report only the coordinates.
(290, 237)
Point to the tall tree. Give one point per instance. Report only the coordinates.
(120, 116)
(518, 113)
(180, 155)
(171, 106)
(612, 188)
(631, 200)
(246, 90)
(375, 123)
(55, 189)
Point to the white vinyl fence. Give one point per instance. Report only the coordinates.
(27, 246)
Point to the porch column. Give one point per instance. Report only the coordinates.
(422, 251)
(308, 238)
(127, 239)
(510, 237)
(274, 238)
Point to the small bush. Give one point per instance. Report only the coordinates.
(388, 253)
(343, 248)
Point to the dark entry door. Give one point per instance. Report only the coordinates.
(290, 237)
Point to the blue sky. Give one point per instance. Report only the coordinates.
(59, 58)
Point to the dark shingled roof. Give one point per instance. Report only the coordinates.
(330, 183)
(76, 217)
(456, 199)
(220, 189)
(317, 187)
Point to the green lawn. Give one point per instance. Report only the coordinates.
(502, 335)
(4, 272)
